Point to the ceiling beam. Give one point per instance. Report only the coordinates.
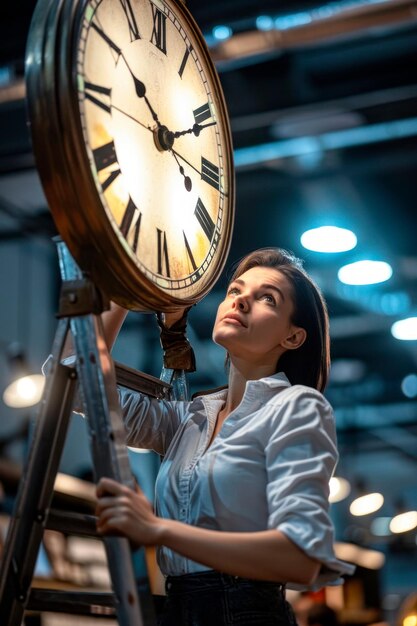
(325, 24)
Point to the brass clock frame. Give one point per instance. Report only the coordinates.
(64, 167)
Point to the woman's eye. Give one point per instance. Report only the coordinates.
(269, 298)
(233, 290)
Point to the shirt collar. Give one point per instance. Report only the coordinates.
(268, 383)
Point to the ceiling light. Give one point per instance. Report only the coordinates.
(409, 386)
(221, 33)
(25, 388)
(264, 22)
(328, 239)
(370, 559)
(365, 505)
(405, 330)
(403, 522)
(24, 392)
(365, 273)
(339, 489)
(380, 526)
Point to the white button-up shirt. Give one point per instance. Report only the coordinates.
(268, 467)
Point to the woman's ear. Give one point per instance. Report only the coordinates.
(295, 339)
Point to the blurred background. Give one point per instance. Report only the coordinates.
(322, 101)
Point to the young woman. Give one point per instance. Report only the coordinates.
(242, 493)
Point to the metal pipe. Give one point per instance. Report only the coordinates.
(323, 25)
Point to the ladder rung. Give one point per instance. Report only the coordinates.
(72, 523)
(73, 602)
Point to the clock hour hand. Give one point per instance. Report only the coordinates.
(140, 89)
(196, 130)
(201, 174)
(187, 180)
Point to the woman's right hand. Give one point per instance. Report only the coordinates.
(169, 319)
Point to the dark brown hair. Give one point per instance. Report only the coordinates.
(310, 363)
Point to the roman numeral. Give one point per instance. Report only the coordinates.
(101, 96)
(111, 177)
(163, 259)
(202, 113)
(106, 38)
(210, 173)
(184, 61)
(189, 253)
(104, 156)
(159, 33)
(131, 20)
(131, 215)
(204, 219)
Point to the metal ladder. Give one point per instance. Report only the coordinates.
(131, 603)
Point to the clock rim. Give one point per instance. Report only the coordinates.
(116, 274)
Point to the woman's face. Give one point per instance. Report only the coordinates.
(254, 320)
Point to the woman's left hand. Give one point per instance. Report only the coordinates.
(123, 511)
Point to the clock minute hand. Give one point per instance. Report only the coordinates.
(196, 129)
(140, 89)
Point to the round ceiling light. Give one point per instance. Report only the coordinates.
(328, 239)
(365, 273)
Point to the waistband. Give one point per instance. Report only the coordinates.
(216, 580)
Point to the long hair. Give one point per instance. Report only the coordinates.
(310, 363)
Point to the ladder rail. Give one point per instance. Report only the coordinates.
(36, 487)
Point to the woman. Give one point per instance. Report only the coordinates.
(242, 493)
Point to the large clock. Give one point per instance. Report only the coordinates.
(132, 141)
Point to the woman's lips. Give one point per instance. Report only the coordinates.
(234, 319)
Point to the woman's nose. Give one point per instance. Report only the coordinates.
(242, 303)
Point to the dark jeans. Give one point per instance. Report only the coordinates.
(214, 599)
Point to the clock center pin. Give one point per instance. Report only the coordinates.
(164, 138)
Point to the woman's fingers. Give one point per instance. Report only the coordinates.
(108, 486)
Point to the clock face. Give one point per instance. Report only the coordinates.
(158, 144)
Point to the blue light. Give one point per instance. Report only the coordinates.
(5, 76)
(264, 22)
(221, 33)
(286, 22)
(409, 386)
(327, 141)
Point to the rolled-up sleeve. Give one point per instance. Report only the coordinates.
(150, 423)
(301, 456)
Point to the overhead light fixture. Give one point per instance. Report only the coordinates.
(409, 385)
(367, 504)
(25, 389)
(264, 22)
(221, 32)
(403, 522)
(339, 489)
(329, 239)
(365, 272)
(380, 527)
(405, 330)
